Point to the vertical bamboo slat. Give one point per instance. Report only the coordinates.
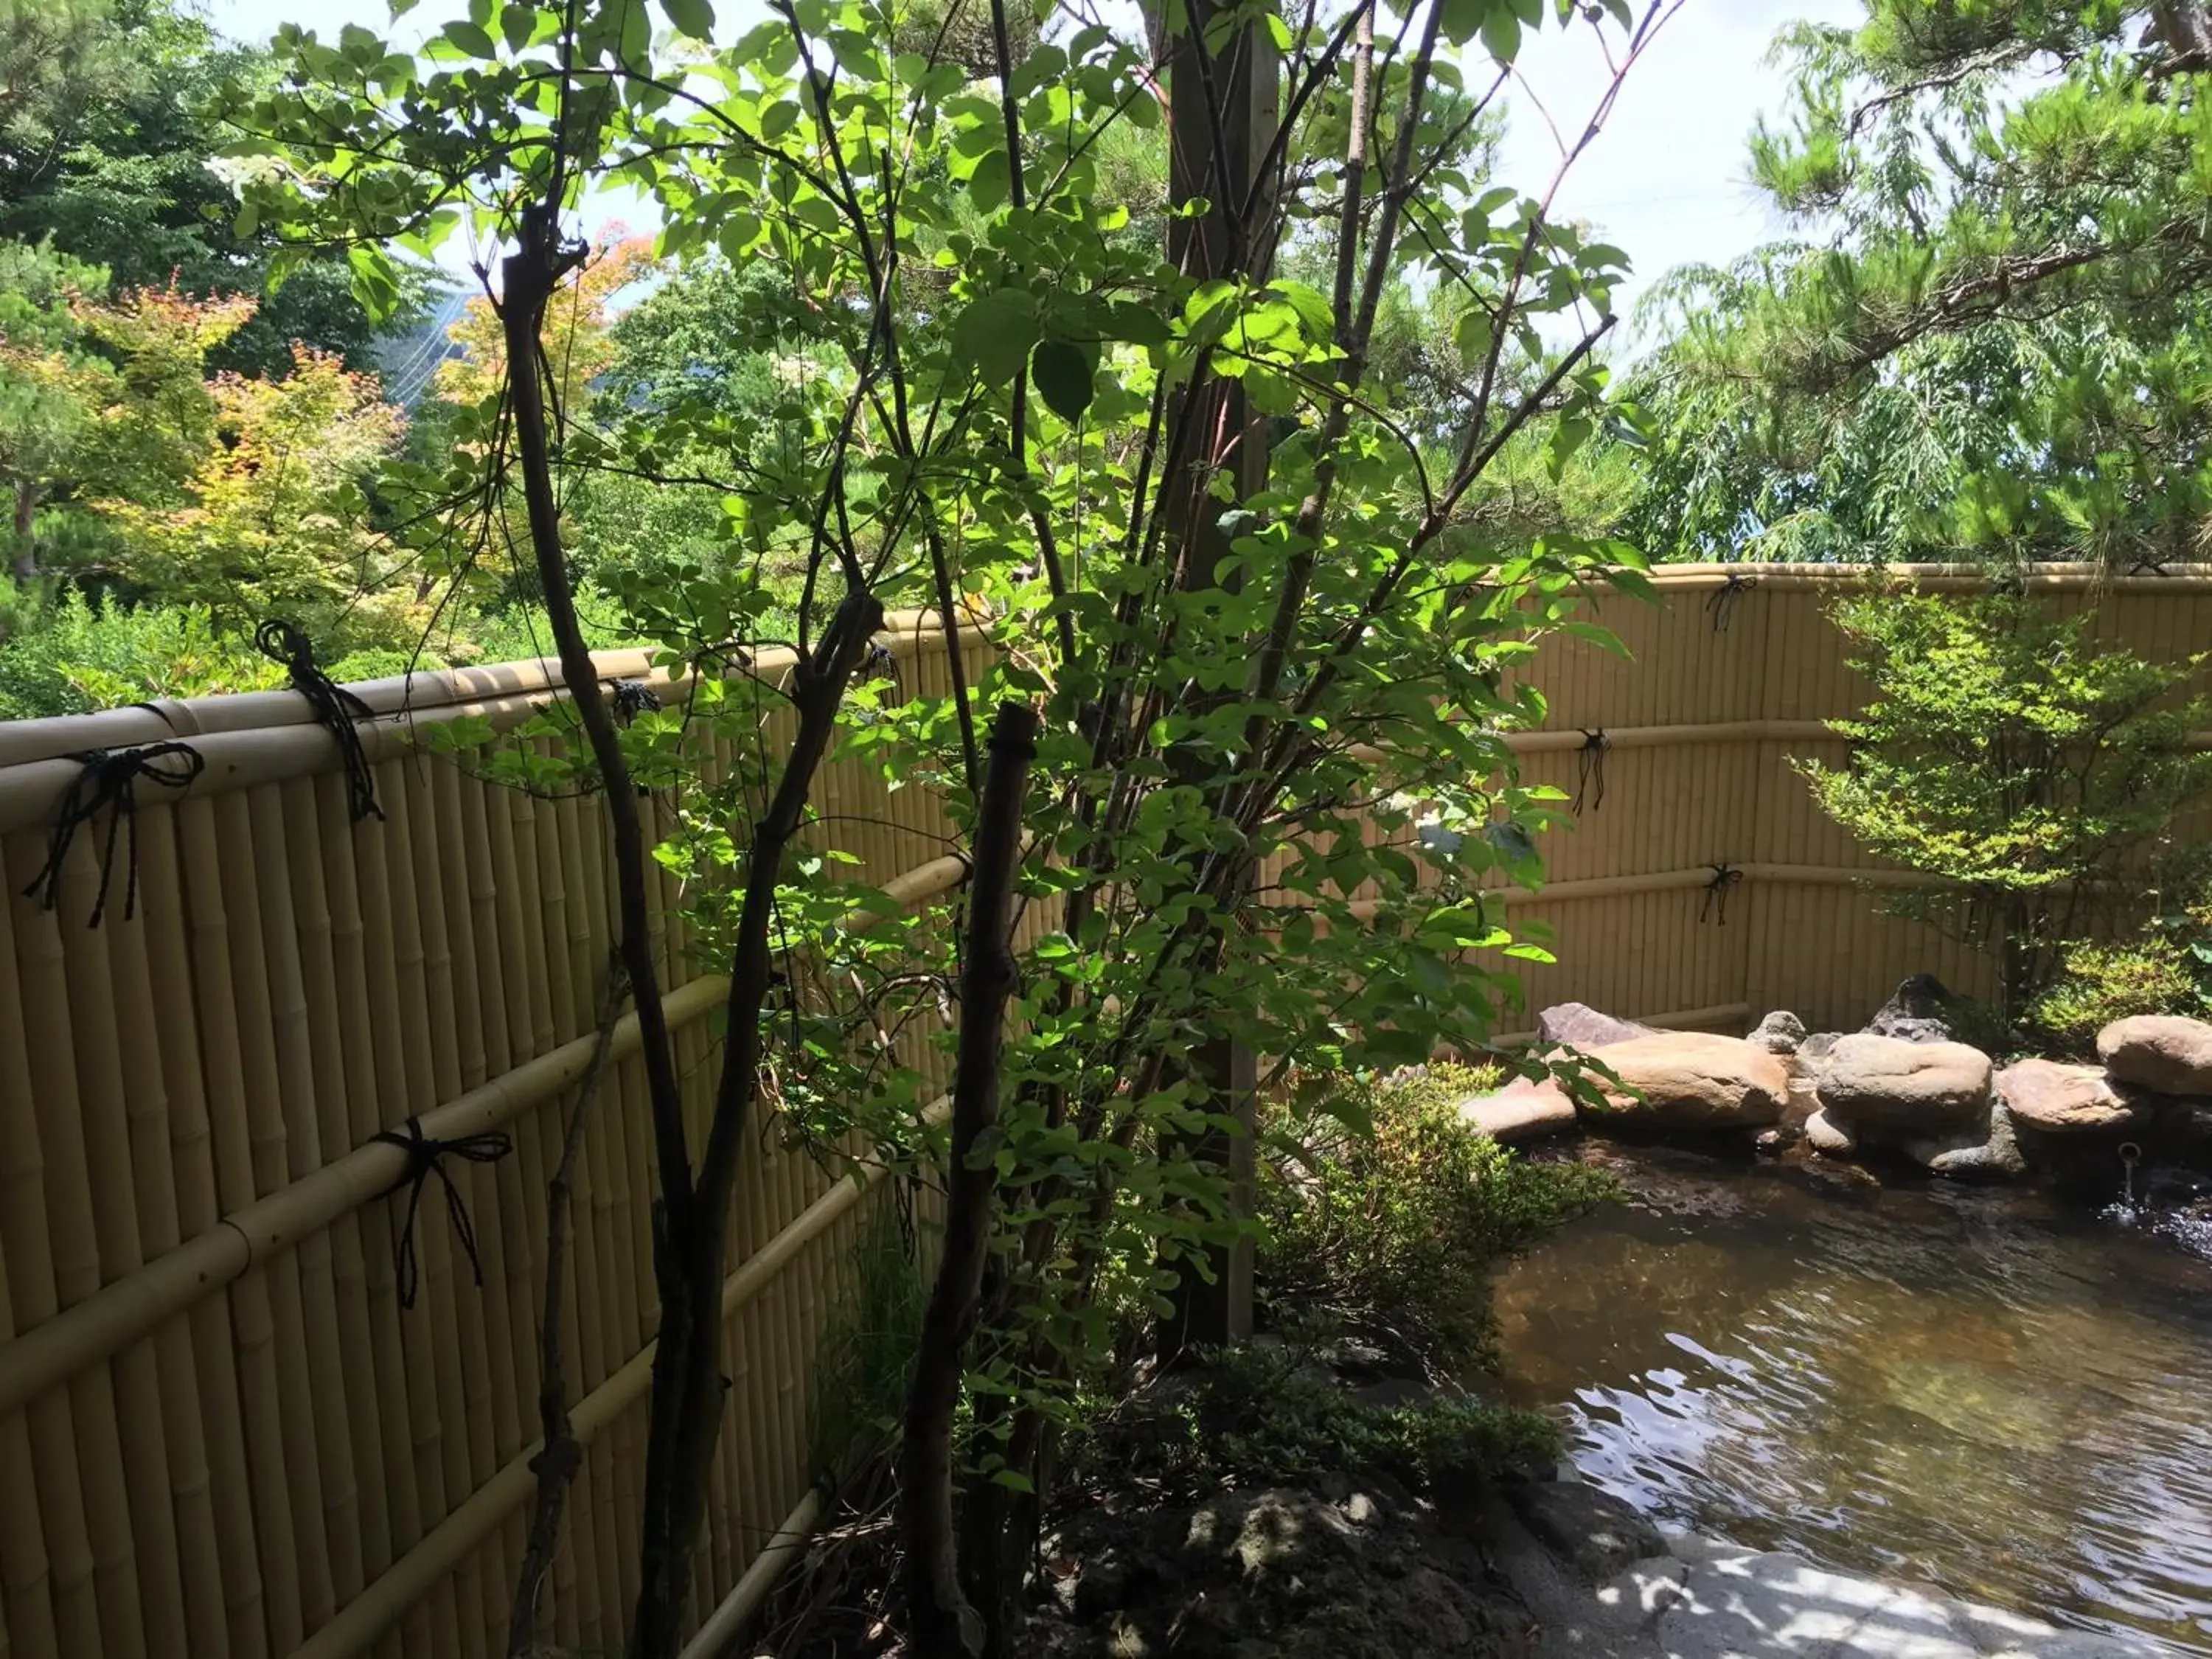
(269, 1082)
(33, 1533)
(138, 1044)
(99, 1471)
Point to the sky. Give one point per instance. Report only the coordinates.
(1667, 180)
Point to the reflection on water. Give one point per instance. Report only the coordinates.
(1984, 1389)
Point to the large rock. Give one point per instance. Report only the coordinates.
(2056, 1099)
(1524, 1110)
(2163, 1053)
(1691, 1080)
(1578, 1026)
(1779, 1033)
(1599, 1534)
(1904, 1087)
(1915, 1011)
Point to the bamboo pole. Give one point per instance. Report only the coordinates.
(519, 958)
(452, 1329)
(325, 901)
(435, 1408)
(74, 1266)
(375, 1008)
(28, 1567)
(252, 1321)
(114, 1125)
(487, 1358)
(719, 1630)
(27, 1606)
(138, 1040)
(297, 965)
(273, 1074)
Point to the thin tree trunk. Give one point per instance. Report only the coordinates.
(939, 1621)
(26, 549)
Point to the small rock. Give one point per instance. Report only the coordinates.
(1819, 1045)
(1524, 1110)
(1992, 1152)
(1578, 1026)
(1896, 1084)
(2056, 1099)
(1824, 1134)
(2167, 1054)
(1691, 1080)
(1915, 1012)
(1779, 1033)
(1598, 1535)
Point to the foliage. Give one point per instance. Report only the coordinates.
(859, 1379)
(73, 655)
(274, 521)
(579, 329)
(1265, 1415)
(105, 148)
(1382, 1205)
(2165, 969)
(1991, 344)
(2009, 755)
(1015, 413)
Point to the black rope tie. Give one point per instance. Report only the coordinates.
(1590, 770)
(336, 708)
(1721, 605)
(109, 780)
(1714, 905)
(424, 1156)
(633, 698)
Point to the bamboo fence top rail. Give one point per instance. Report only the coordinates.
(265, 736)
(2056, 578)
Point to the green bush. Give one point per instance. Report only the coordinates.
(2009, 754)
(1265, 1415)
(71, 656)
(1384, 1209)
(2166, 969)
(63, 653)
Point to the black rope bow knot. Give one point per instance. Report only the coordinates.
(336, 708)
(1715, 902)
(1590, 770)
(633, 698)
(110, 780)
(1721, 605)
(424, 1156)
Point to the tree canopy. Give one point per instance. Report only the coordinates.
(1989, 343)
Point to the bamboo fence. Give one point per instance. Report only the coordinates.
(221, 1431)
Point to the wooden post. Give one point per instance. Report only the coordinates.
(1223, 115)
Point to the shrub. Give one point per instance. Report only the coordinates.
(72, 656)
(2007, 754)
(1266, 1415)
(1382, 1207)
(2166, 969)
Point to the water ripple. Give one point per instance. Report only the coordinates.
(1984, 1389)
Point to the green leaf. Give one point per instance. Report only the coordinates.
(693, 17)
(1501, 34)
(472, 39)
(1063, 378)
(995, 333)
